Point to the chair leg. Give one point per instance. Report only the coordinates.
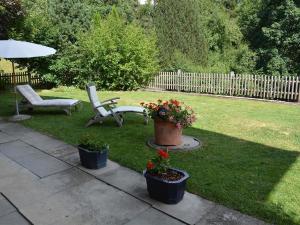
(118, 119)
(91, 121)
(146, 118)
(68, 111)
(79, 106)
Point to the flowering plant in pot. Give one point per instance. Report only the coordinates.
(93, 153)
(170, 117)
(164, 183)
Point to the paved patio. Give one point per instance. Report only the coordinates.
(42, 182)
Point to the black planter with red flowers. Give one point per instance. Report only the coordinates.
(165, 184)
(161, 189)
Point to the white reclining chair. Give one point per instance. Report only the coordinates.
(32, 100)
(112, 111)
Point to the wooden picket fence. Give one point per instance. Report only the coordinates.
(6, 79)
(286, 88)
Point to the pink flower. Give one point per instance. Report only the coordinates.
(178, 125)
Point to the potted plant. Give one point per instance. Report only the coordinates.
(164, 183)
(170, 117)
(93, 153)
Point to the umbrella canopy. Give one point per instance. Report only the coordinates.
(11, 49)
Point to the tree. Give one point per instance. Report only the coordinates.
(117, 55)
(273, 31)
(126, 8)
(180, 32)
(11, 15)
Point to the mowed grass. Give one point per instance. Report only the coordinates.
(250, 155)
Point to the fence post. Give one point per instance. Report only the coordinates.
(29, 78)
(231, 76)
(298, 86)
(178, 79)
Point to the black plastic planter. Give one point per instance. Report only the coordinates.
(92, 159)
(170, 192)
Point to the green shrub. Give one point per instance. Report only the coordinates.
(117, 56)
(92, 143)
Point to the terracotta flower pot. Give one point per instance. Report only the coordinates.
(166, 133)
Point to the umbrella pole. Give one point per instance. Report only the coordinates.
(15, 89)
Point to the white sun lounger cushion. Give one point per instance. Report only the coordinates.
(122, 109)
(34, 99)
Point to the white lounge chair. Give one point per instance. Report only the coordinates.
(32, 100)
(112, 111)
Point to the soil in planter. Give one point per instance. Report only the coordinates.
(170, 175)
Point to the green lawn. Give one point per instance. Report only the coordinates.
(250, 159)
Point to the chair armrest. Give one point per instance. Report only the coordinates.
(105, 104)
(112, 100)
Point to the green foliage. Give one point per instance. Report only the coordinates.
(144, 15)
(11, 15)
(272, 29)
(126, 8)
(252, 36)
(92, 143)
(116, 55)
(209, 28)
(159, 164)
(179, 29)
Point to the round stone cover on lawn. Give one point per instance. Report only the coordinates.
(189, 143)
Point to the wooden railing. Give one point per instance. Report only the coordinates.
(286, 88)
(6, 79)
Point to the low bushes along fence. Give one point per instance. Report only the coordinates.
(286, 88)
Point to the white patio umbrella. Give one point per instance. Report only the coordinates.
(11, 49)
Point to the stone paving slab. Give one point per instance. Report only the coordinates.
(5, 137)
(92, 201)
(42, 142)
(42, 164)
(17, 149)
(32, 159)
(153, 217)
(110, 167)
(72, 159)
(63, 151)
(5, 207)
(20, 185)
(65, 179)
(13, 219)
(128, 181)
(36, 139)
(9, 214)
(190, 210)
(16, 130)
(221, 215)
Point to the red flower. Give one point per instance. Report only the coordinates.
(175, 102)
(150, 165)
(163, 154)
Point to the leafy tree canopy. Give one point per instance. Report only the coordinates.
(116, 55)
(11, 15)
(273, 31)
(180, 30)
